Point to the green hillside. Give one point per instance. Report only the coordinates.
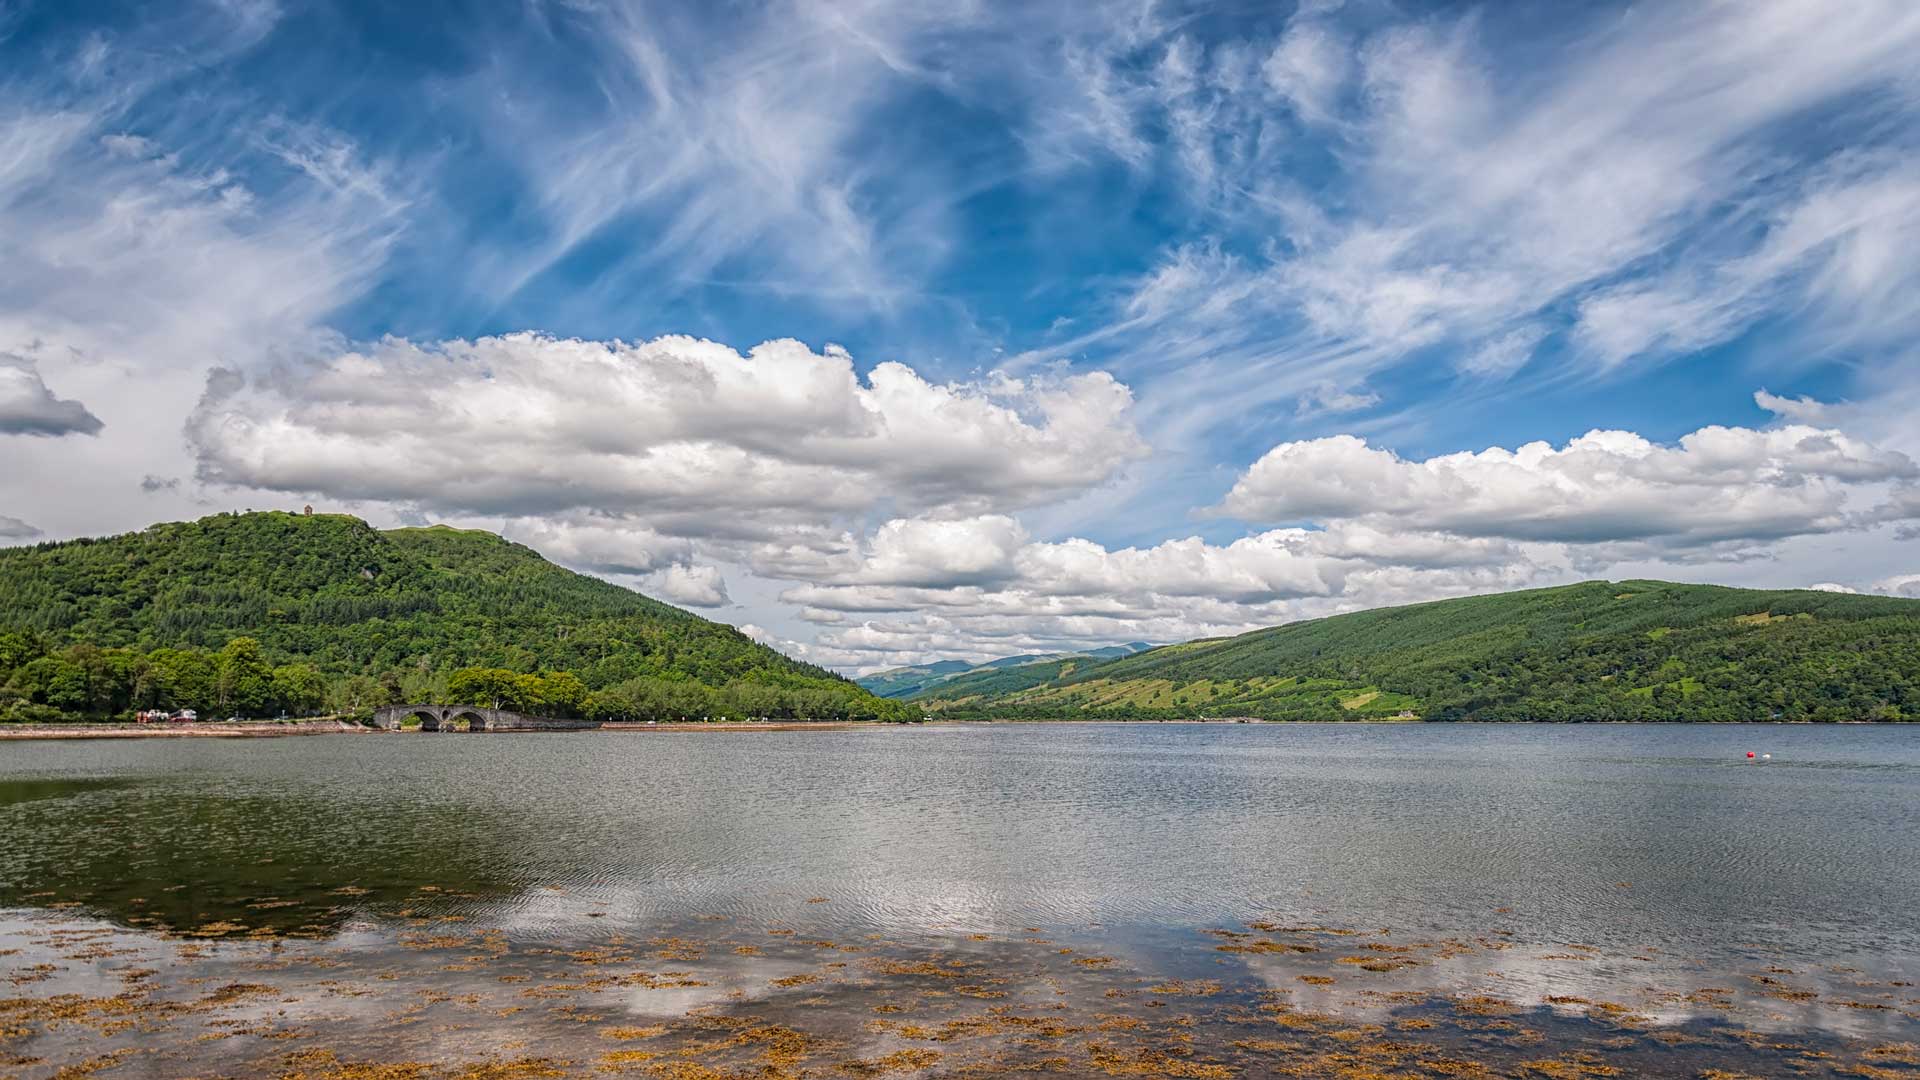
(1633, 650)
(343, 616)
(903, 682)
(995, 681)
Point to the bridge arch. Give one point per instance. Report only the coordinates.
(469, 718)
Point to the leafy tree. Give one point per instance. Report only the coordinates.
(181, 679)
(493, 688)
(246, 680)
(298, 689)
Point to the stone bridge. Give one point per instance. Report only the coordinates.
(471, 718)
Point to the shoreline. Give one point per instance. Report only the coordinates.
(183, 731)
(303, 728)
(776, 725)
(299, 728)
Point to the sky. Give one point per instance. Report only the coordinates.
(893, 332)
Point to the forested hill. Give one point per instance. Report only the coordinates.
(345, 616)
(1632, 650)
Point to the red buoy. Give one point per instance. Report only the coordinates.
(1749, 753)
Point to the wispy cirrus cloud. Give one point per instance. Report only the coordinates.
(1623, 188)
(146, 234)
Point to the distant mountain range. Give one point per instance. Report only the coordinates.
(907, 682)
(1629, 650)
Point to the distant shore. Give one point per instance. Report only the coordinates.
(728, 725)
(285, 729)
(261, 730)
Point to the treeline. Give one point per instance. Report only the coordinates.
(563, 694)
(86, 682)
(348, 618)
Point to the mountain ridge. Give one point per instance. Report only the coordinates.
(916, 680)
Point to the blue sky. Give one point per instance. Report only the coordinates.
(1143, 320)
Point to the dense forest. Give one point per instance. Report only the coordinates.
(1633, 650)
(259, 614)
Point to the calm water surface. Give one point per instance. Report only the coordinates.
(1653, 871)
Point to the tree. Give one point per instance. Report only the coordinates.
(181, 679)
(55, 682)
(299, 689)
(494, 688)
(562, 694)
(356, 692)
(246, 682)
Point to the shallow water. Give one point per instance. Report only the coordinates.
(1496, 895)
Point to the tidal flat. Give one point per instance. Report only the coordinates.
(1192, 901)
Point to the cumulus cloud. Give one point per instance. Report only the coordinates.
(688, 432)
(1899, 585)
(902, 603)
(1718, 485)
(601, 545)
(694, 586)
(27, 407)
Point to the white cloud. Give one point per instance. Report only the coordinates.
(1899, 585)
(600, 545)
(1802, 409)
(1631, 185)
(900, 605)
(694, 586)
(1502, 356)
(1309, 67)
(750, 146)
(1838, 250)
(920, 553)
(1719, 485)
(689, 433)
(140, 246)
(1328, 398)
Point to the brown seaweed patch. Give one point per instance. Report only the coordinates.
(1265, 946)
(515, 1069)
(912, 1059)
(632, 1034)
(1146, 1061)
(952, 969)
